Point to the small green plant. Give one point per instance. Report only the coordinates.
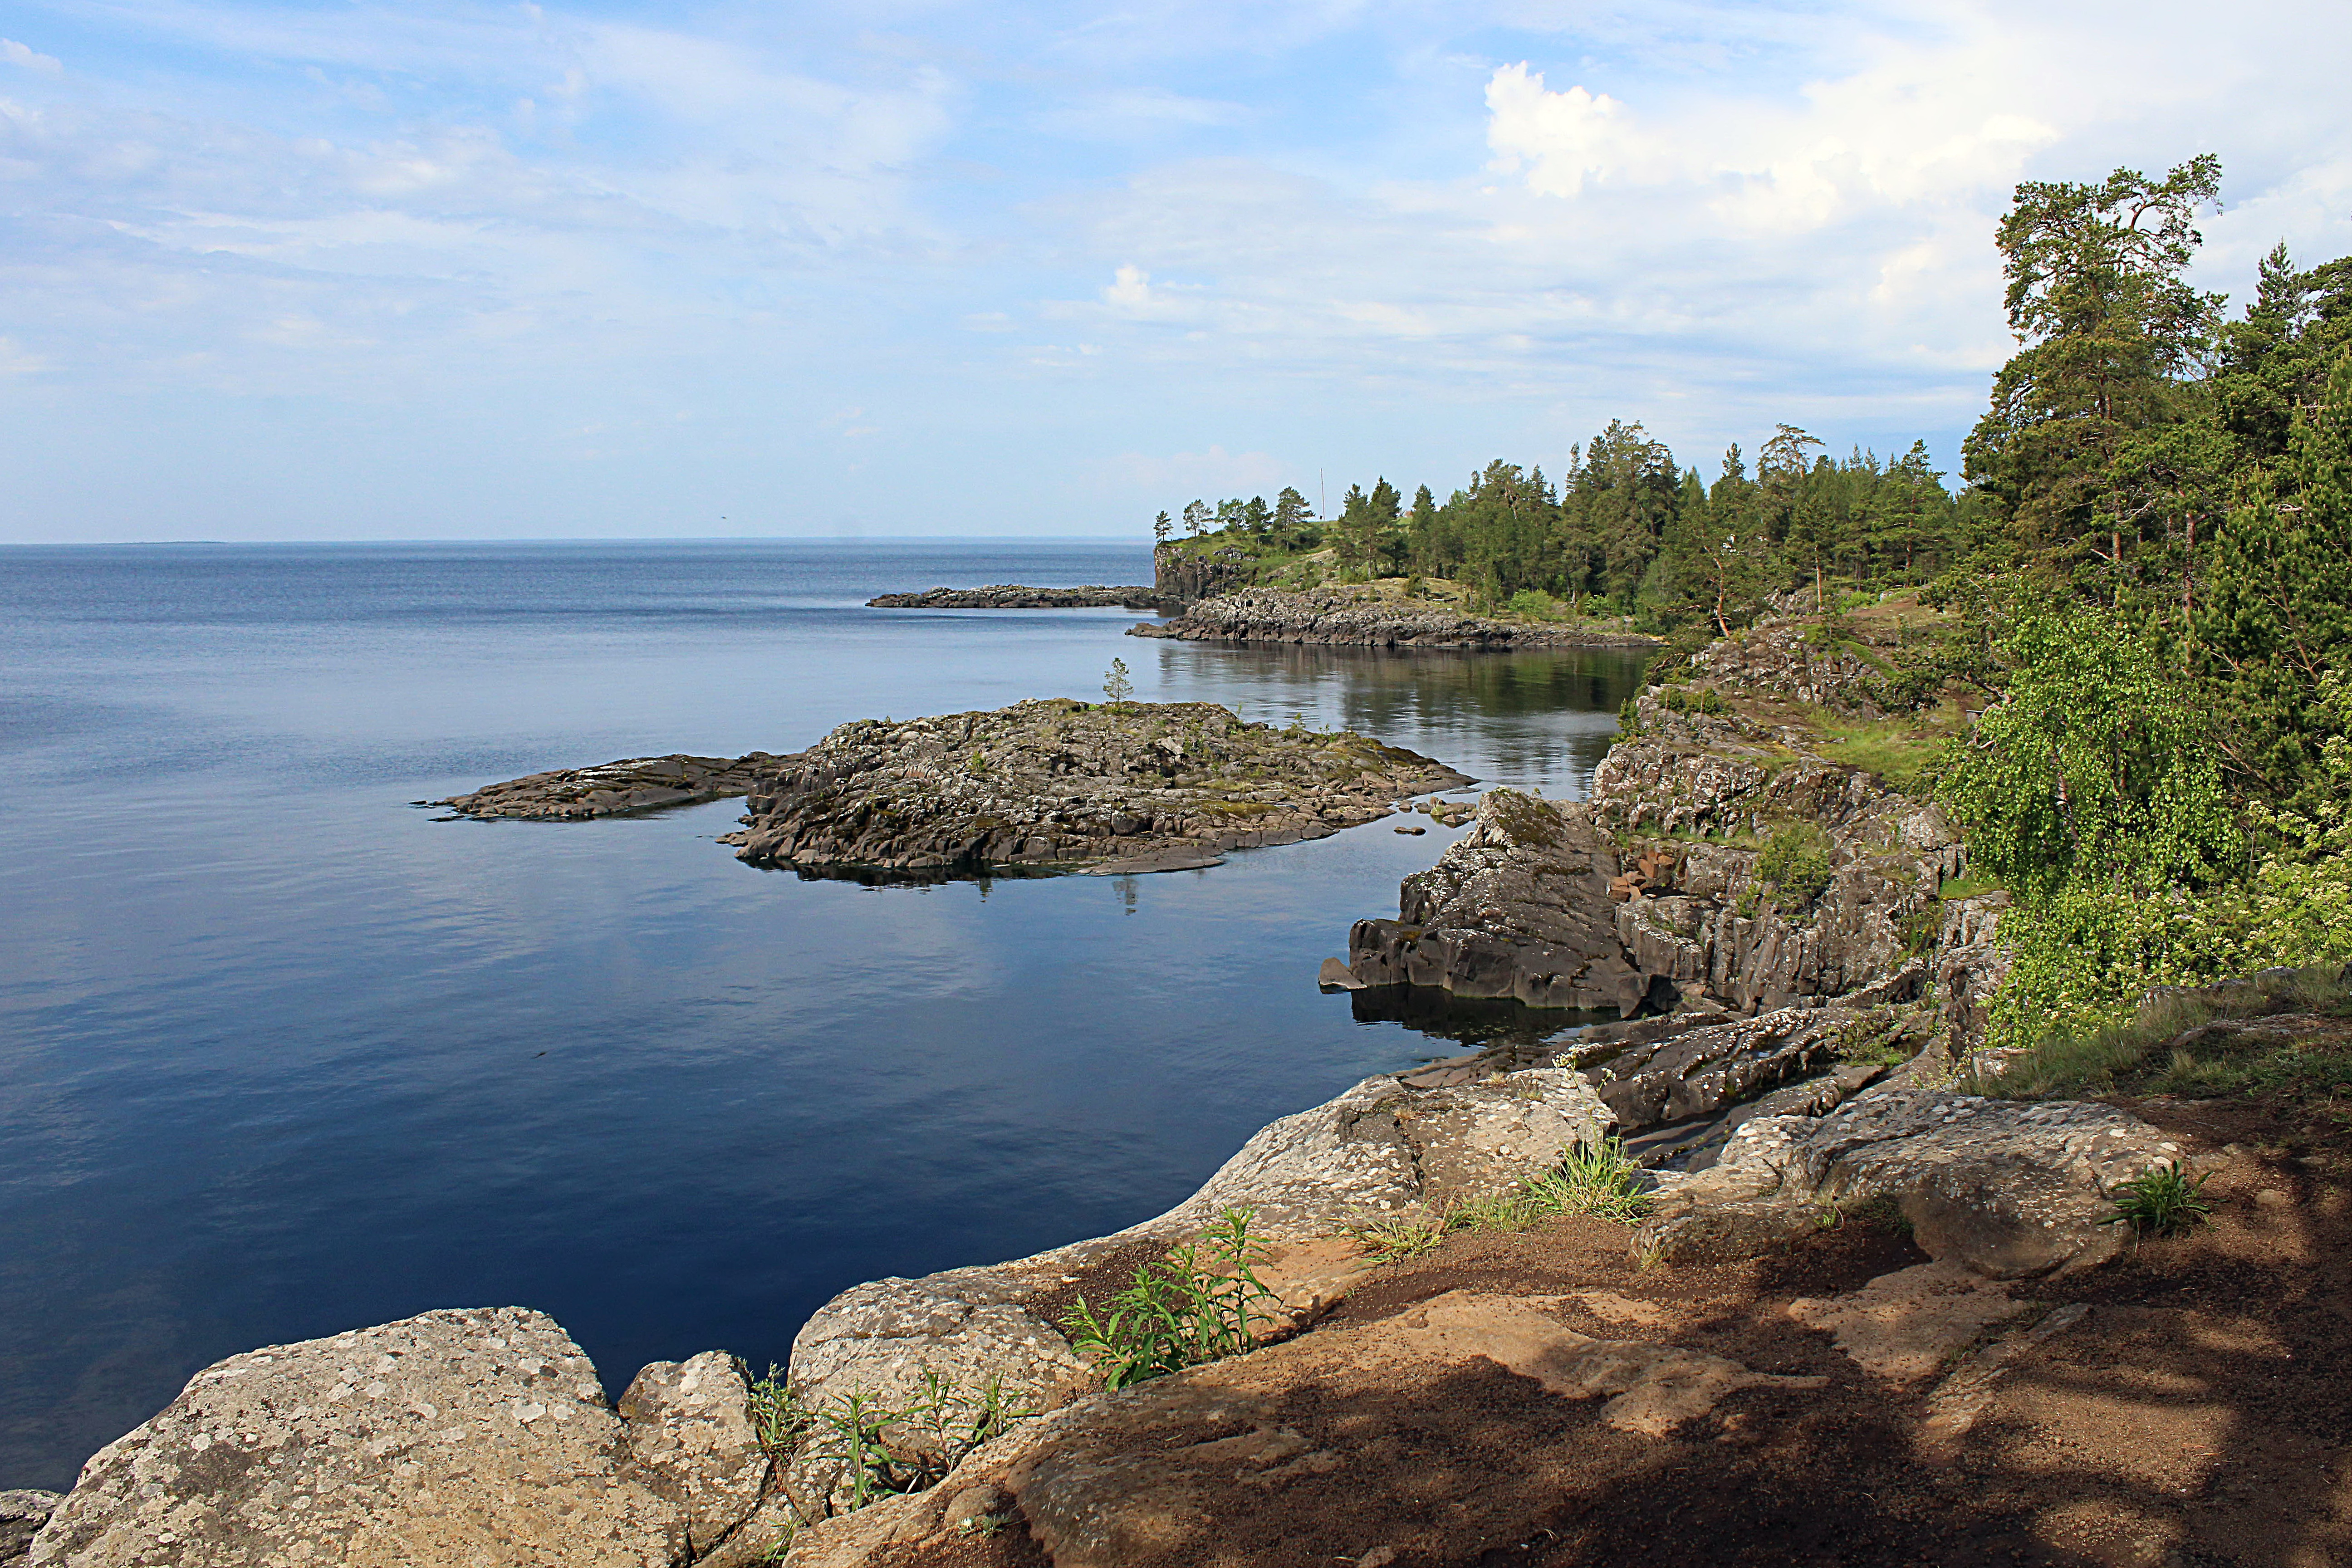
(1193, 1307)
(1681, 699)
(1392, 1238)
(1629, 718)
(1597, 1179)
(867, 1449)
(2161, 1200)
(1117, 686)
(1922, 929)
(1489, 1211)
(1796, 865)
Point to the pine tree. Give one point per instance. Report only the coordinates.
(1161, 529)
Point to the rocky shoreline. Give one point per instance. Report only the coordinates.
(1345, 618)
(1797, 1007)
(1015, 597)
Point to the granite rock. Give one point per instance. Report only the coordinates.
(689, 1427)
(453, 1439)
(22, 1513)
(616, 789)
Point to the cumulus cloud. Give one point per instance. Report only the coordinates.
(26, 57)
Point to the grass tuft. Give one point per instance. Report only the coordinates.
(2162, 1201)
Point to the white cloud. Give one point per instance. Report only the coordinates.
(28, 59)
(1214, 473)
(17, 360)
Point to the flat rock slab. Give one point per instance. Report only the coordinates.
(1016, 597)
(1907, 1325)
(1059, 786)
(2011, 1189)
(616, 789)
(455, 1439)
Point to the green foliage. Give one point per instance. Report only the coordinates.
(2095, 770)
(867, 1449)
(1195, 1306)
(1392, 1238)
(2162, 1200)
(1796, 865)
(1597, 1179)
(2151, 1047)
(1117, 686)
(1694, 699)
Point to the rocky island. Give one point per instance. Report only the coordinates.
(1042, 786)
(1062, 785)
(1015, 597)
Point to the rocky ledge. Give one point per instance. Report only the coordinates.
(1060, 786)
(1014, 596)
(633, 784)
(1366, 618)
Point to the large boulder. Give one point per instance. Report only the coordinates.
(2009, 1188)
(454, 1439)
(689, 1427)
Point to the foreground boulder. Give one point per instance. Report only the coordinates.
(690, 1431)
(1064, 785)
(22, 1513)
(2009, 1189)
(453, 1438)
(616, 789)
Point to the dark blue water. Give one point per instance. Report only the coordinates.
(281, 1056)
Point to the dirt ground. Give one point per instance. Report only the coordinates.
(2195, 1411)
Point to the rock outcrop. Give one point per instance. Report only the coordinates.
(633, 784)
(2009, 1189)
(452, 1438)
(1652, 892)
(1378, 1149)
(1063, 785)
(1180, 576)
(22, 1514)
(1365, 618)
(1015, 597)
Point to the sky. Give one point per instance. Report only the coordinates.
(442, 269)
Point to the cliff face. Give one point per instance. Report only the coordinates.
(1672, 887)
(1181, 576)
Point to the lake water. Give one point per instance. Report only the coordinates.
(280, 1055)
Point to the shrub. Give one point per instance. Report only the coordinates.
(1796, 864)
(1193, 1307)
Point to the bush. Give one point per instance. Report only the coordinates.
(1796, 864)
(1194, 1306)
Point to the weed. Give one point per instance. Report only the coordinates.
(1694, 699)
(1489, 1211)
(1922, 929)
(1392, 1238)
(876, 1449)
(2162, 1200)
(1598, 1179)
(1195, 1306)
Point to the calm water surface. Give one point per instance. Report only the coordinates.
(280, 1056)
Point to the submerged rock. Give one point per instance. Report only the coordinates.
(1061, 785)
(447, 1440)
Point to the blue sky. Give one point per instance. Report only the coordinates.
(447, 271)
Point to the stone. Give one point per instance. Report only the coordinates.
(1335, 976)
(616, 789)
(2009, 1188)
(22, 1513)
(689, 1425)
(447, 1440)
(1904, 1326)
